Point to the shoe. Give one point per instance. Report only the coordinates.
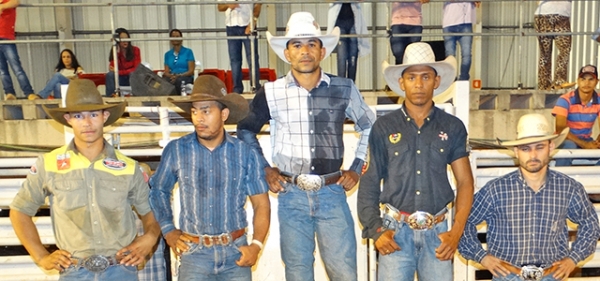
(33, 97)
(10, 97)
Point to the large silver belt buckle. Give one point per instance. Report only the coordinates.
(309, 182)
(421, 221)
(532, 273)
(96, 263)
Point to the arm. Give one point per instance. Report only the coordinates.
(224, 7)
(137, 60)
(142, 246)
(582, 212)
(10, 5)
(483, 206)
(248, 128)
(261, 221)
(561, 124)
(461, 168)
(364, 118)
(161, 192)
(30, 238)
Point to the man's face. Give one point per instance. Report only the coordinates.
(587, 83)
(304, 54)
(208, 119)
(419, 82)
(88, 126)
(535, 156)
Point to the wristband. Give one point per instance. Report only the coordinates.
(258, 243)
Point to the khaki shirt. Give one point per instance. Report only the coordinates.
(90, 202)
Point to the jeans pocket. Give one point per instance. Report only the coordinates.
(193, 248)
(336, 188)
(129, 269)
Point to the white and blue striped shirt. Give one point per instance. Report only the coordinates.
(213, 185)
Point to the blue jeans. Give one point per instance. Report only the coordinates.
(417, 254)
(514, 277)
(347, 54)
(399, 44)
(465, 46)
(568, 144)
(326, 213)
(235, 57)
(112, 273)
(54, 85)
(216, 263)
(10, 56)
(110, 82)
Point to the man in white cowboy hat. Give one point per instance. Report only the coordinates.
(526, 213)
(216, 174)
(307, 109)
(411, 149)
(91, 188)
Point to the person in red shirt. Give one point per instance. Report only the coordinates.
(9, 54)
(128, 57)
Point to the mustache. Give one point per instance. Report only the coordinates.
(533, 161)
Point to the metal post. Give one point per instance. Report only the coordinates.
(253, 38)
(519, 49)
(114, 49)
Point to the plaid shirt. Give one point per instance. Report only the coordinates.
(528, 227)
(307, 126)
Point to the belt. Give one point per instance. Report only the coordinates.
(95, 263)
(418, 220)
(310, 182)
(221, 239)
(529, 272)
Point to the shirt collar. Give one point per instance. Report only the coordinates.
(227, 140)
(290, 81)
(549, 174)
(578, 99)
(107, 152)
(431, 115)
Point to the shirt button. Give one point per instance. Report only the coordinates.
(114, 189)
(441, 150)
(418, 152)
(93, 205)
(407, 119)
(90, 186)
(210, 171)
(310, 113)
(312, 168)
(95, 222)
(427, 118)
(99, 242)
(312, 149)
(419, 132)
(418, 172)
(418, 192)
(396, 153)
(311, 131)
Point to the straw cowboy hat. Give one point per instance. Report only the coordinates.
(534, 128)
(420, 54)
(82, 95)
(303, 25)
(211, 88)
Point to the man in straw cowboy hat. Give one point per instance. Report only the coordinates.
(91, 188)
(216, 174)
(526, 212)
(410, 150)
(307, 109)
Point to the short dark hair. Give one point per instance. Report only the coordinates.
(287, 44)
(434, 71)
(175, 30)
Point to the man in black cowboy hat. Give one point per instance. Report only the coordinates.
(526, 213)
(216, 174)
(91, 188)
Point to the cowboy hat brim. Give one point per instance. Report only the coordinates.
(558, 139)
(279, 43)
(116, 111)
(446, 69)
(238, 105)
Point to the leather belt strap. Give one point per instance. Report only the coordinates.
(326, 179)
(221, 239)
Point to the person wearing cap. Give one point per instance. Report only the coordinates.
(526, 213)
(91, 188)
(307, 109)
(410, 150)
(578, 110)
(216, 173)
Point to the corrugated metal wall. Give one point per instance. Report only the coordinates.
(500, 63)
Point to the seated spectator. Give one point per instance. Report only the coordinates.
(66, 70)
(128, 59)
(179, 63)
(578, 110)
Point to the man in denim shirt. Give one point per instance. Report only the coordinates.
(216, 173)
(307, 109)
(411, 149)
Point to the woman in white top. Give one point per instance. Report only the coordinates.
(66, 70)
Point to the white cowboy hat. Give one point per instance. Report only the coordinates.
(303, 25)
(533, 128)
(420, 53)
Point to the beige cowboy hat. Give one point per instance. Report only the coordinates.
(211, 88)
(303, 25)
(420, 53)
(82, 95)
(532, 128)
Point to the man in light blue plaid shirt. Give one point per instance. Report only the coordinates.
(526, 212)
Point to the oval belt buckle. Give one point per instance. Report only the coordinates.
(96, 263)
(309, 182)
(420, 220)
(532, 273)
